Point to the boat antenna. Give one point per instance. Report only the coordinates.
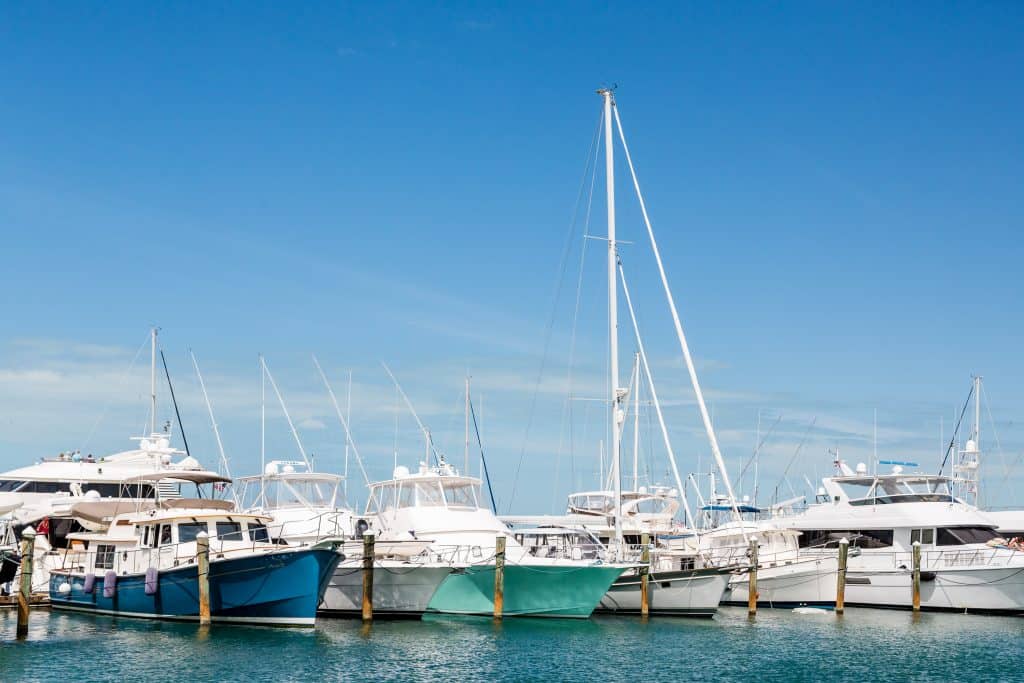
(177, 414)
(284, 408)
(408, 404)
(213, 423)
(956, 430)
(344, 421)
(483, 460)
(152, 381)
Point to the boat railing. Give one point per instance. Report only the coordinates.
(311, 530)
(123, 560)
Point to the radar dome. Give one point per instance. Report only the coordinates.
(972, 446)
(401, 472)
(189, 463)
(270, 469)
(862, 468)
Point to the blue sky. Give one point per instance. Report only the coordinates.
(835, 189)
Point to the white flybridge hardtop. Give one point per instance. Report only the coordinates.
(966, 565)
(305, 505)
(440, 505)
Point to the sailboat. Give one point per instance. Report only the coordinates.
(681, 582)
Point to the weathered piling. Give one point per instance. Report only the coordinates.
(645, 570)
(916, 578)
(752, 576)
(28, 543)
(844, 553)
(368, 554)
(203, 566)
(499, 576)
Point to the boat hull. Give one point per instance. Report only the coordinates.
(529, 590)
(982, 590)
(689, 593)
(400, 589)
(274, 589)
(805, 583)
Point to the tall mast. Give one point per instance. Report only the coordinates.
(348, 441)
(152, 383)
(617, 414)
(977, 412)
(263, 431)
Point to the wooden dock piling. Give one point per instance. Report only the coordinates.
(916, 578)
(368, 555)
(844, 553)
(203, 566)
(499, 576)
(645, 570)
(28, 543)
(752, 576)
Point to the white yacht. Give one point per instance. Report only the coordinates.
(965, 565)
(305, 507)
(784, 577)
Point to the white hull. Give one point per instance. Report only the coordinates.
(965, 589)
(400, 589)
(801, 583)
(684, 593)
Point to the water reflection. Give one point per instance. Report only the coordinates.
(779, 645)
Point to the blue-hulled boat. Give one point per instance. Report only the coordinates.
(145, 565)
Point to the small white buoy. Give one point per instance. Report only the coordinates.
(810, 610)
(64, 588)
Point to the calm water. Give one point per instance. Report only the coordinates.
(863, 646)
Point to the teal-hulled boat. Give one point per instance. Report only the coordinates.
(439, 505)
(529, 590)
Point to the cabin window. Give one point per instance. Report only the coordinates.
(187, 532)
(922, 536)
(964, 535)
(385, 498)
(229, 531)
(104, 557)
(864, 538)
(406, 497)
(148, 537)
(165, 534)
(8, 485)
(429, 494)
(258, 533)
(460, 495)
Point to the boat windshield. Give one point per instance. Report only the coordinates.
(290, 493)
(461, 494)
(653, 506)
(893, 489)
(594, 503)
